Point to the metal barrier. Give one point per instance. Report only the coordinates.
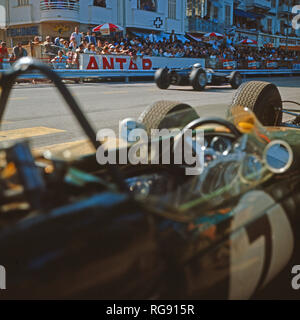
(47, 54)
(72, 71)
(92, 74)
(264, 72)
(89, 74)
(245, 64)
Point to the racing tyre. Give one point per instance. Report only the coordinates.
(167, 114)
(235, 79)
(162, 78)
(198, 79)
(263, 98)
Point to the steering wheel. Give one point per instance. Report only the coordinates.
(213, 120)
(195, 145)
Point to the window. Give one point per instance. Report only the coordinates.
(197, 8)
(100, 3)
(282, 27)
(216, 13)
(172, 9)
(269, 25)
(23, 3)
(227, 15)
(148, 5)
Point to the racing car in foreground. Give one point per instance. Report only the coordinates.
(71, 228)
(195, 76)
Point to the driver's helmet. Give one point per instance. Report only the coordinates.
(127, 125)
(197, 66)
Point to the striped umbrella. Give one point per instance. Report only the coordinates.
(107, 28)
(248, 41)
(213, 35)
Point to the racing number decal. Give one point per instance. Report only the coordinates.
(262, 248)
(262, 228)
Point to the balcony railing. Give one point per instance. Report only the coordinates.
(200, 25)
(63, 10)
(72, 5)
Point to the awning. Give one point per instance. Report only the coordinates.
(248, 41)
(245, 14)
(198, 38)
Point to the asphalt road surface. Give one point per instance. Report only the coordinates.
(39, 113)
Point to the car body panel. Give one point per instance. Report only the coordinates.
(181, 77)
(90, 239)
(230, 252)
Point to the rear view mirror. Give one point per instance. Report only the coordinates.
(278, 156)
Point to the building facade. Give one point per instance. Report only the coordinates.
(209, 16)
(28, 18)
(266, 21)
(261, 20)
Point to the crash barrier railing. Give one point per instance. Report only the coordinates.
(296, 66)
(72, 71)
(68, 63)
(53, 63)
(68, 67)
(110, 74)
(47, 54)
(229, 64)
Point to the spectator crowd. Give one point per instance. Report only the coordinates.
(62, 52)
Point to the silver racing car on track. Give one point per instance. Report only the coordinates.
(197, 77)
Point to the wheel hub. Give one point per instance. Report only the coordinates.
(202, 80)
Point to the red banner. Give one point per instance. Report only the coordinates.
(117, 63)
(127, 63)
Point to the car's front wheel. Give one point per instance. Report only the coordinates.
(263, 98)
(167, 115)
(162, 78)
(198, 79)
(235, 79)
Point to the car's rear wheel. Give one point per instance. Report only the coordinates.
(263, 98)
(198, 79)
(162, 78)
(235, 79)
(167, 115)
